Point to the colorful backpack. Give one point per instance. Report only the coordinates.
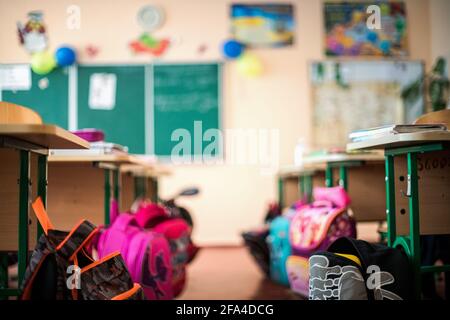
(60, 267)
(155, 218)
(280, 249)
(146, 253)
(314, 227)
(357, 270)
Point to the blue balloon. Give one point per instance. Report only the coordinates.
(232, 49)
(65, 56)
(372, 36)
(385, 46)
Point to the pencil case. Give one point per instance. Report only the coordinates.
(90, 135)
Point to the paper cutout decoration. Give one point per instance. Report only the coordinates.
(92, 51)
(150, 17)
(148, 44)
(33, 35)
(102, 91)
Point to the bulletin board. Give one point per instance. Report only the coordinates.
(353, 95)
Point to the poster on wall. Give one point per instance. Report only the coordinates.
(353, 95)
(351, 31)
(263, 25)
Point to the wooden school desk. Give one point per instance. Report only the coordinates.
(296, 183)
(362, 175)
(83, 187)
(23, 174)
(140, 181)
(417, 190)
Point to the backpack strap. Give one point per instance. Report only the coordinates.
(150, 214)
(76, 239)
(41, 215)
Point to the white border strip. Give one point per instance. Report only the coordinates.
(73, 99)
(149, 111)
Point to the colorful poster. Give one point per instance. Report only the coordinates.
(353, 30)
(263, 25)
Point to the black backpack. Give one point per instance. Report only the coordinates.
(61, 267)
(353, 269)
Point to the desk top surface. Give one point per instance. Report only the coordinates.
(313, 164)
(145, 170)
(400, 140)
(46, 136)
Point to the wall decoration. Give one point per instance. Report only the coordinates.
(352, 95)
(92, 50)
(232, 49)
(250, 65)
(43, 62)
(32, 35)
(347, 33)
(150, 45)
(65, 56)
(263, 25)
(150, 17)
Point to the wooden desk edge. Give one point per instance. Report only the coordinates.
(46, 129)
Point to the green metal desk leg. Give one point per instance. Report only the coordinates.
(343, 181)
(329, 176)
(280, 193)
(3, 273)
(24, 191)
(116, 185)
(307, 183)
(414, 223)
(42, 186)
(390, 200)
(107, 187)
(155, 197)
(301, 187)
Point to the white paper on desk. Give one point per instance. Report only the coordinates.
(15, 77)
(102, 91)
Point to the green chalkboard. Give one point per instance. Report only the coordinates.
(184, 94)
(125, 122)
(48, 95)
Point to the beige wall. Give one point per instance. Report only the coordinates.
(440, 26)
(233, 197)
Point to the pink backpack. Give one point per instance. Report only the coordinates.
(154, 217)
(313, 228)
(146, 253)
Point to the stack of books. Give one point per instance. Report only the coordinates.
(378, 132)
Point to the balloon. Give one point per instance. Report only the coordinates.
(250, 65)
(385, 46)
(357, 16)
(65, 56)
(42, 62)
(232, 49)
(372, 36)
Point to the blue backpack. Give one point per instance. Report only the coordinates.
(280, 249)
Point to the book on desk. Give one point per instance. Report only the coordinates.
(377, 132)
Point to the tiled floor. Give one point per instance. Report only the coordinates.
(230, 273)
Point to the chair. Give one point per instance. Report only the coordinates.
(437, 117)
(11, 113)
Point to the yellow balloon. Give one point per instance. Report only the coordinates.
(249, 65)
(43, 62)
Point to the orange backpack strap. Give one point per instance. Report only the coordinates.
(76, 239)
(41, 215)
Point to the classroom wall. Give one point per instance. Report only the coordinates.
(440, 26)
(233, 197)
